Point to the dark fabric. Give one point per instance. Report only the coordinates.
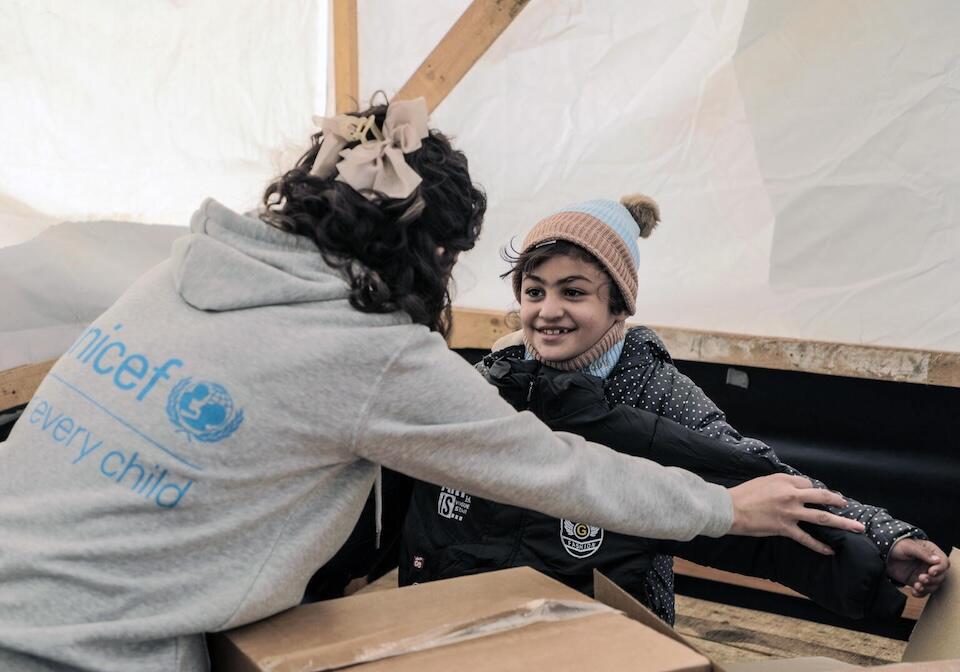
(449, 533)
(359, 556)
(852, 583)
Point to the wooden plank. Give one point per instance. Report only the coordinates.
(759, 634)
(790, 354)
(911, 610)
(725, 652)
(943, 368)
(346, 61)
(476, 328)
(693, 570)
(386, 582)
(460, 48)
(17, 385)
(472, 328)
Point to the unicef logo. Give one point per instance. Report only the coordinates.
(203, 410)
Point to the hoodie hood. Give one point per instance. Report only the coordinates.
(231, 261)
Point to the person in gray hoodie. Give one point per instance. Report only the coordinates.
(211, 439)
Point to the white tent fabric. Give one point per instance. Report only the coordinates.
(135, 113)
(802, 152)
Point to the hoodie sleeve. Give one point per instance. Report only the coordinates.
(680, 399)
(432, 417)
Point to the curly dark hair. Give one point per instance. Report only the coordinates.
(397, 254)
(522, 262)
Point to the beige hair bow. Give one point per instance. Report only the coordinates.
(377, 163)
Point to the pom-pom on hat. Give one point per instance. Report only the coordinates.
(606, 229)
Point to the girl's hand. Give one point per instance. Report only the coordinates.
(919, 564)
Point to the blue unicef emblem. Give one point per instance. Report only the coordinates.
(203, 410)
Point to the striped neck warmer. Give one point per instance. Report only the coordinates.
(598, 360)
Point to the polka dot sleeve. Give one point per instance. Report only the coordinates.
(671, 394)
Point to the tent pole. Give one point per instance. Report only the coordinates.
(346, 80)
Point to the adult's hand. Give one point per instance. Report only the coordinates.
(917, 563)
(773, 505)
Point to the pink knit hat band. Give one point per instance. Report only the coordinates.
(594, 236)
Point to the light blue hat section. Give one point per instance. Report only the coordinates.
(617, 217)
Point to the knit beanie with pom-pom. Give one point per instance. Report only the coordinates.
(606, 229)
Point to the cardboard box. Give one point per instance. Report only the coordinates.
(937, 633)
(519, 619)
(516, 619)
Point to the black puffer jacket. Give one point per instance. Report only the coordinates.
(449, 533)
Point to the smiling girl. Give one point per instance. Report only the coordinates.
(576, 281)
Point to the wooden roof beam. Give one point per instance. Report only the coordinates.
(460, 48)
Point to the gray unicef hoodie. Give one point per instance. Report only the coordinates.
(211, 439)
